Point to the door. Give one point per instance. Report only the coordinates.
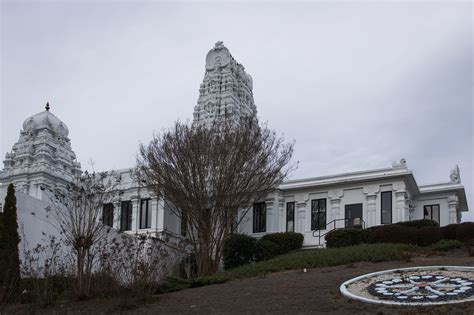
(354, 215)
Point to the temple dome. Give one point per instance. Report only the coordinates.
(46, 120)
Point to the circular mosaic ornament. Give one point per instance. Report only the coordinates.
(430, 285)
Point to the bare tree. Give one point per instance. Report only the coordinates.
(76, 211)
(210, 174)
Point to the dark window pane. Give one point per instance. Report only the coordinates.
(259, 217)
(148, 215)
(353, 215)
(318, 214)
(431, 212)
(145, 214)
(108, 214)
(126, 216)
(290, 217)
(426, 212)
(386, 207)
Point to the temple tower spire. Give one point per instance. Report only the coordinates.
(226, 90)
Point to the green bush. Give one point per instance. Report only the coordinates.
(428, 235)
(465, 232)
(448, 232)
(266, 249)
(346, 237)
(418, 223)
(445, 245)
(286, 241)
(239, 249)
(394, 233)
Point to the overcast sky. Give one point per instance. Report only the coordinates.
(356, 85)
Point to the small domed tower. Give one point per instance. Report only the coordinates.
(42, 158)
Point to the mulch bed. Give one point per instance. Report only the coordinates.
(316, 291)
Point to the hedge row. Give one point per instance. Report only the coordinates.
(242, 249)
(420, 232)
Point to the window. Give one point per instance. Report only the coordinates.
(386, 207)
(431, 212)
(318, 214)
(184, 224)
(108, 214)
(353, 215)
(260, 217)
(145, 214)
(290, 216)
(126, 216)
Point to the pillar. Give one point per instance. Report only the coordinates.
(300, 217)
(401, 210)
(371, 210)
(117, 212)
(135, 214)
(160, 214)
(452, 210)
(270, 204)
(154, 213)
(334, 212)
(371, 192)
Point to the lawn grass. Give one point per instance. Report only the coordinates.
(313, 258)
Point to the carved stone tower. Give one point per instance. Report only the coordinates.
(42, 157)
(226, 91)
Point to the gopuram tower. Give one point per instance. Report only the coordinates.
(225, 92)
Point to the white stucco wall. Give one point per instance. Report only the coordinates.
(337, 197)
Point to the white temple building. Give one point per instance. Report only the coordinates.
(43, 158)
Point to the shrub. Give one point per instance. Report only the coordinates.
(9, 257)
(266, 250)
(445, 245)
(239, 249)
(448, 232)
(465, 232)
(286, 241)
(346, 237)
(428, 235)
(394, 233)
(187, 268)
(418, 223)
(45, 291)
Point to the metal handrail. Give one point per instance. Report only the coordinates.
(334, 228)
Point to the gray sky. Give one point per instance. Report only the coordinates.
(357, 85)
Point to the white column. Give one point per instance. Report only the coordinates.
(135, 216)
(336, 214)
(281, 220)
(300, 217)
(452, 210)
(154, 213)
(371, 210)
(160, 220)
(270, 215)
(117, 210)
(401, 212)
(371, 192)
